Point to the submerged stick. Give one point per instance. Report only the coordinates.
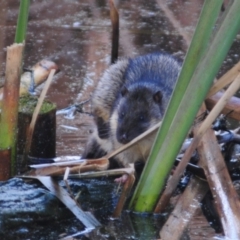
(125, 193)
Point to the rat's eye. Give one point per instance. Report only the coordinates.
(122, 115)
(141, 118)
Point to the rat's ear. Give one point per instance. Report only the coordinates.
(124, 91)
(157, 97)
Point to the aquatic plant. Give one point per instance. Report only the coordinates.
(9, 110)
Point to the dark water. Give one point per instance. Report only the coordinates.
(77, 36)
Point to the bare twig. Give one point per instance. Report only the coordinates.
(36, 112)
(226, 79)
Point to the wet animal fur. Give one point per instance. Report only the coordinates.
(131, 97)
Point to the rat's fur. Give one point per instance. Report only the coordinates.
(131, 97)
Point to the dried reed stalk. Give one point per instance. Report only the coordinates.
(9, 113)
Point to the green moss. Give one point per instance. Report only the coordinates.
(28, 103)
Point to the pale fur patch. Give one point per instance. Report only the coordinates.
(105, 144)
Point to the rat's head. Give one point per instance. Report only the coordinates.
(138, 108)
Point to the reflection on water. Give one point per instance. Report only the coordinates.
(76, 35)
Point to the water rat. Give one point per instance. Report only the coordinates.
(131, 96)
